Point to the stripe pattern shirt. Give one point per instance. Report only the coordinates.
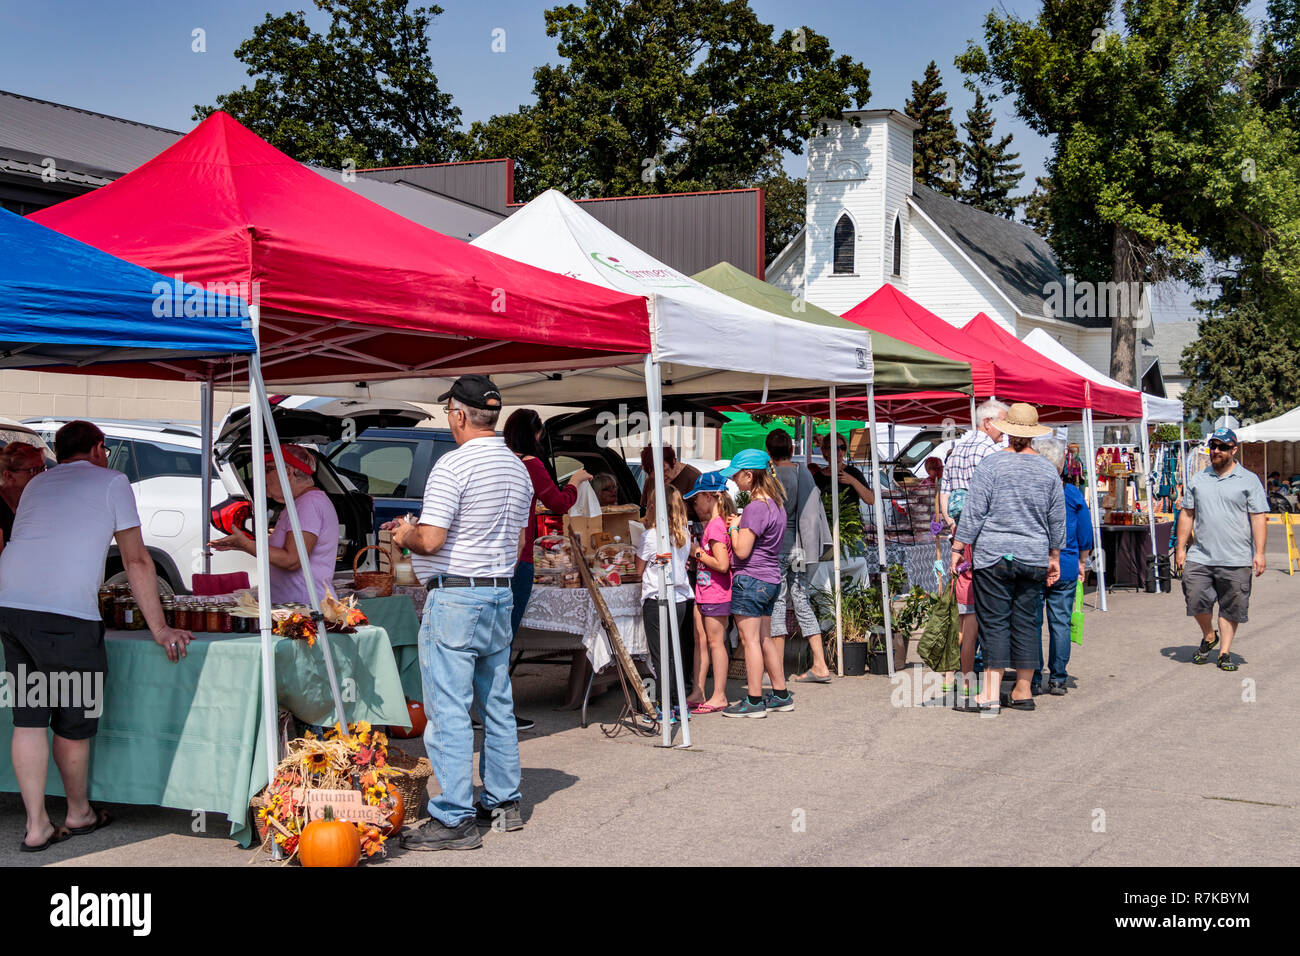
(958, 470)
(481, 494)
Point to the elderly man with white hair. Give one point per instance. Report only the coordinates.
(1059, 601)
(969, 451)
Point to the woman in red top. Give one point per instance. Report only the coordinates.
(523, 434)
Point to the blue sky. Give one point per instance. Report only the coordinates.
(133, 58)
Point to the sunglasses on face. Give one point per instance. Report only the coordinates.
(1220, 446)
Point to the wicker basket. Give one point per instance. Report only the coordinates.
(382, 581)
(413, 784)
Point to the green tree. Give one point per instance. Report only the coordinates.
(1142, 102)
(1277, 67)
(936, 154)
(1038, 207)
(785, 208)
(1238, 353)
(668, 96)
(990, 171)
(364, 91)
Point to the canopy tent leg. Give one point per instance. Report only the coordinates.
(262, 536)
(1091, 451)
(832, 462)
(205, 472)
(973, 424)
(878, 506)
(807, 439)
(291, 509)
(667, 586)
(1151, 488)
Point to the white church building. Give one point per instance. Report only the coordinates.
(869, 222)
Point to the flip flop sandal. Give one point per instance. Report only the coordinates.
(1225, 663)
(58, 836)
(811, 678)
(102, 819)
(707, 709)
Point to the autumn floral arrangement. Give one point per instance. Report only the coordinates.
(355, 760)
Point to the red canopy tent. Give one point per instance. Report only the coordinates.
(1058, 393)
(1101, 398)
(346, 290)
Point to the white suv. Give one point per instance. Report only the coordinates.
(163, 459)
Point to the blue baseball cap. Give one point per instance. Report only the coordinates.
(751, 459)
(712, 481)
(1224, 435)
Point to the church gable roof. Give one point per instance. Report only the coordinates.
(1011, 255)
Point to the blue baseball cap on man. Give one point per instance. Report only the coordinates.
(1225, 435)
(710, 481)
(751, 459)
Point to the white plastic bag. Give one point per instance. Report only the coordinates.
(587, 505)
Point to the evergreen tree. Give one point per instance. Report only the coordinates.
(990, 171)
(1038, 207)
(936, 154)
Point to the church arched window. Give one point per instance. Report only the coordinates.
(843, 246)
(898, 246)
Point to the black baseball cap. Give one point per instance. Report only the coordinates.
(476, 391)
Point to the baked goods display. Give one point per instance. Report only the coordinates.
(553, 552)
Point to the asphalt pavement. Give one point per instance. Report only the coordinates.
(1149, 759)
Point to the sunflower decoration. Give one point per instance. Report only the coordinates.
(355, 758)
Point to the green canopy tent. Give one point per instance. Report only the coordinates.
(899, 367)
(741, 432)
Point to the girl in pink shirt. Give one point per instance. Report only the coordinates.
(712, 556)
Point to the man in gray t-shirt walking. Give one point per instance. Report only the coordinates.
(1225, 505)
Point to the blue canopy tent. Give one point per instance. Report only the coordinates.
(66, 306)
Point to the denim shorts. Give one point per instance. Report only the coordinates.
(751, 597)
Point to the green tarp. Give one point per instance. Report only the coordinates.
(899, 367)
(741, 432)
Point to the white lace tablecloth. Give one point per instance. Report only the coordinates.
(572, 611)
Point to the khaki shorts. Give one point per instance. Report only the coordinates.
(1203, 585)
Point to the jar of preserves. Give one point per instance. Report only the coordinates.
(212, 618)
(169, 611)
(106, 598)
(182, 614)
(227, 621)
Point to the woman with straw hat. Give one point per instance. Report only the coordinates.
(1014, 526)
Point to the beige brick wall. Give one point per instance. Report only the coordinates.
(26, 394)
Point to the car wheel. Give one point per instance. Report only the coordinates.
(164, 588)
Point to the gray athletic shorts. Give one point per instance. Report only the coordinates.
(1203, 585)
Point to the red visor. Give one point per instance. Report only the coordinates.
(290, 459)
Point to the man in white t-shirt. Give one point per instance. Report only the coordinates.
(49, 619)
(476, 503)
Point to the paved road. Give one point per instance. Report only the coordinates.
(1148, 760)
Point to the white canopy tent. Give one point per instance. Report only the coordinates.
(1285, 427)
(1154, 409)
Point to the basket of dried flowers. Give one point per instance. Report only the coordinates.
(356, 760)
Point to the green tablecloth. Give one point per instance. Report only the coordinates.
(189, 735)
(398, 617)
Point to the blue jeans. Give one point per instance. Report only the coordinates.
(465, 654)
(521, 586)
(1059, 606)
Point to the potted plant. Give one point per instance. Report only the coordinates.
(861, 615)
(853, 534)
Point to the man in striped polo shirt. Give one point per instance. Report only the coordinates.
(476, 503)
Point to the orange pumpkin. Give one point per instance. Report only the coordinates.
(398, 815)
(329, 842)
(415, 710)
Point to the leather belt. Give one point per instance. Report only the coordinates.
(451, 581)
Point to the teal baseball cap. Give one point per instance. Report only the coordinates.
(751, 459)
(711, 481)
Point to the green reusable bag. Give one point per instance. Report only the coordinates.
(940, 644)
(1076, 617)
